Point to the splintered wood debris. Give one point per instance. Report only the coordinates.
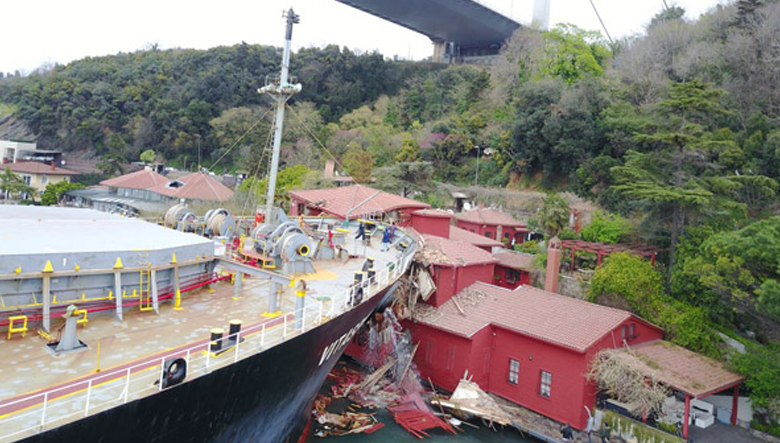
(470, 399)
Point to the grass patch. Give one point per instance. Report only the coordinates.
(643, 433)
(7, 109)
(771, 429)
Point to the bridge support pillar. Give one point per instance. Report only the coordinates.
(439, 52)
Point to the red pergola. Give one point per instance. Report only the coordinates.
(606, 249)
(693, 374)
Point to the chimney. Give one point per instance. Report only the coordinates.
(542, 14)
(329, 168)
(553, 265)
(53, 167)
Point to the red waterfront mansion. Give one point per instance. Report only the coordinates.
(527, 345)
(530, 346)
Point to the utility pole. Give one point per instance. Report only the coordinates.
(198, 138)
(476, 175)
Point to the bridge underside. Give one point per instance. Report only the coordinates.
(459, 28)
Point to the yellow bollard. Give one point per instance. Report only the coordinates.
(97, 369)
(177, 301)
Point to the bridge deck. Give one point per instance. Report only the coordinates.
(465, 22)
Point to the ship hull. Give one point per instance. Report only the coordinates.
(263, 398)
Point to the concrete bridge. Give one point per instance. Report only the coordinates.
(463, 31)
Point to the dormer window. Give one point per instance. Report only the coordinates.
(174, 184)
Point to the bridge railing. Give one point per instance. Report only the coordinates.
(36, 413)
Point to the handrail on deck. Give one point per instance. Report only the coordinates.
(32, 413)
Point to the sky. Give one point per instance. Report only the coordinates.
(44, 32)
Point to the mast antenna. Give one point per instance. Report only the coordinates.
(282, 90)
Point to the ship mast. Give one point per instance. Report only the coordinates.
(282, 91)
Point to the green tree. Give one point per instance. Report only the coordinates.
(241, 134)
(743, 268)
(761, 368)
(629, 282)
(554, 214)
(667, 180)
(668, 14)
(288, 179)
(571, 52)
(148, 156)
(54, 192)
(410, 151)
(12, 185)
(607, 228)
(358, 163)
(406, 178)
(627, 278)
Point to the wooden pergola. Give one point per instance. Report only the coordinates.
(606, 249)
(695, 375)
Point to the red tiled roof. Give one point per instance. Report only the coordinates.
(143, 179)
(446, 252)
(355, 200)
(566, 321)
(197, 186)
(463, 235)
(37, 168)
(515, 260)
(433, 213)
(489, 217)
(682, 369)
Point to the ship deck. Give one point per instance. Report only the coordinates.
(124, 360)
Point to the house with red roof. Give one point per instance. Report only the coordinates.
(492, 224)
(480, 241)
(148, 185)
(432, 221)
(513, 269)
(136, 184)
(454, 265)
(353, 202)
(195, 186)
(38, 175)
(527, 345)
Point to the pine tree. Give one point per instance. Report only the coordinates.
(667, 179)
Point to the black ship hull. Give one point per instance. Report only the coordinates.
(264, 398)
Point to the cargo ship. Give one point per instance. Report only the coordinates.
(120, 330)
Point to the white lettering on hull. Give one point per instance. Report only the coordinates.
(328, 352)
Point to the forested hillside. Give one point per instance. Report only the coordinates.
(118, 106)
(675, 134)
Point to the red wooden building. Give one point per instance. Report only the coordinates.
(492, 224)
(529, 346)
(352, 202)
(454, 266)
(432, 221)
(513, 269)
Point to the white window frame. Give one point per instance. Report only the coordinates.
(545, 384)
(513, 376)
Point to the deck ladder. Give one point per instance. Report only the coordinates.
(144, 290)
